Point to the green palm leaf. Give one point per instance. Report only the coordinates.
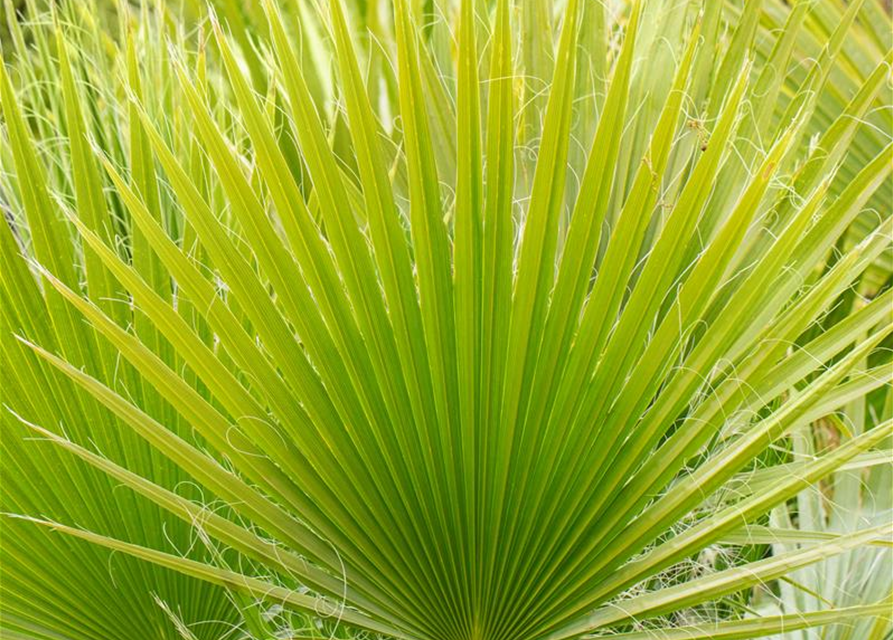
(457, 376)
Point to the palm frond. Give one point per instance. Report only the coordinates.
(483, 332)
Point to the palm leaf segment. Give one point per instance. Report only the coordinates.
(416, 401)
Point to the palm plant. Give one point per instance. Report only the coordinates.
(51, 588)
(853, 497)
(861, 575)
(478, 346)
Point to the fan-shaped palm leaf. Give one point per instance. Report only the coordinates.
(468, 376)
